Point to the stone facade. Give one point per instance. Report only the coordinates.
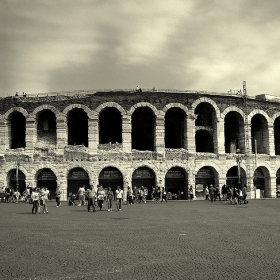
(203, 123)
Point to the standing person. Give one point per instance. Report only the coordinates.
(91, 197)
(7, 194)
(153, 194)
(130, 195)
(45, 196)
(35, 198)
(119, 197)
(224, 192)
(142, 195)
(218, 194)
(100, 197)
(212, 192)
(244, 194)
(206, 193)
(230, 194)
(16, 195)
(81, 194)
(134, 195)
(164, 196)
(191, 193)
(110, 197)
(57, 196)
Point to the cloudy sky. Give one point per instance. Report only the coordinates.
(213, 45)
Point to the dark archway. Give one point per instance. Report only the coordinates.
(144, 176)
(143, 129)
(110, 126)
(78, 127)
(46, 127)
(259, 132)
(277, 136)
(176, 183)
(232, 176)
(111, 177)
(234, 133)
(13, 180)
(204, 142)
(175, 128)
(17, 125)
(76, 178)
(47, 178)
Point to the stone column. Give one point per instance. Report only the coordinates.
(4, 139)
(93, 135)
(31, 135)
(271, 191)
(61, 134)
(190, 134)
(159, 134)
(126, 133)
(219, 137)
(271, 143)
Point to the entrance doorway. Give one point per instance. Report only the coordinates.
(145, 177)
(204, 177)
(232, 176)
(259, 183)
(110, 177)
(21, 180)
(76, 178)
(46, 178)
(176, 184)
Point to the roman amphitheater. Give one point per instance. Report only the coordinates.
(173, 139)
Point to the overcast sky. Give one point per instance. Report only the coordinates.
(204, 45)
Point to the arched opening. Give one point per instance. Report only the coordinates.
(205, 176)
(262, 182)
(12, 177)
(206, 115)
(176, 183)
(78, 127)
(204, 142)
(144, 176)
(234, 133)
(46, 128)
(110, 126)
(110, 177)
(278, 183)
(277, 136)
(17, 130)
(143, 129)
(76, 178)
(259, 133)
(233, 178)
(47, 178)
(175, 128)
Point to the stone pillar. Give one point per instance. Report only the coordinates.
(271, 143)
(4, 139)
(93, 135)
(31, 135)
(190, 133)
(126, 133)
(270, 192)
(191, 182)
(61, 132)
(219, 137)
(159, 134)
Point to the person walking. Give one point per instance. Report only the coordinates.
(35, 196)
(244, 194)
(119, 197)
(191, 193)
(206, 193)
(217, 193)
(164, 196)
(7, 194)
(129, 195)
(81, 194)
(135, 195)
(212, 192)
(57, 196)
(110, 197)
(91, 197)
(44, 197)
(100, 197)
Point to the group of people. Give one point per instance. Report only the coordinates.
(9, 194)
(39, 199)
(233, 194)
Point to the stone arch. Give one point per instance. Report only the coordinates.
(175, 105)
(11, 167)
(110, 105)
(275, 116)
(41, 166)
(232, 109)
(261, 112)
(206, 100)
(78, 106)
(105, 165)
(16, 109)
(78, 165)
(263, 184)
(215, 167)
(144, 104)
(44, 107)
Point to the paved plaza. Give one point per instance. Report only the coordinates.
(174, 240)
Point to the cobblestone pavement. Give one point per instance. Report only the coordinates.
(174, 240)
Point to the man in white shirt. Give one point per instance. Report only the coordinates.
(119, 197)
